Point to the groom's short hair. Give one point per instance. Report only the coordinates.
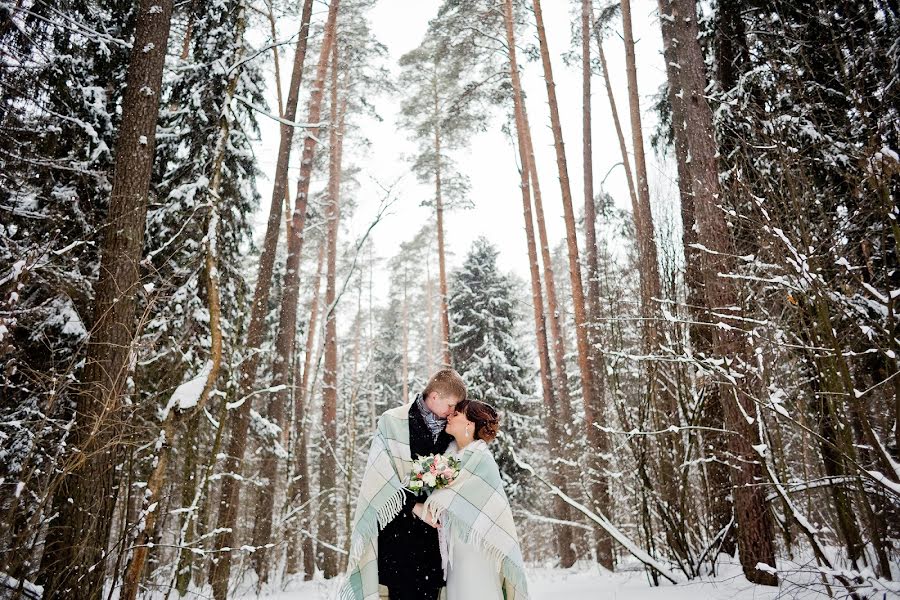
(446, 381)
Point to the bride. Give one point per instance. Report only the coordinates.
(479, 546)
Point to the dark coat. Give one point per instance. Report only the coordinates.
(408, 551)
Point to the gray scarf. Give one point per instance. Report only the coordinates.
(435, 425)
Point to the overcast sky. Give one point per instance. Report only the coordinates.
(490, 162)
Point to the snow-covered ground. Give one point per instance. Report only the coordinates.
(592, 583)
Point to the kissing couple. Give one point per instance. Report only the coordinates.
(460, 536)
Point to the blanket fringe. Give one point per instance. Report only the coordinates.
(391, 508)
(374, 520)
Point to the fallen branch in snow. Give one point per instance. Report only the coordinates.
(603, 522)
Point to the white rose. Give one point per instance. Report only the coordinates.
(429, 479)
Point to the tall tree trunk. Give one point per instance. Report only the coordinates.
(73, 563)
(276, 56)
(553, 402)
(279, 95)
(623, 150)
(557, 339)
(717, 502)
(220, 570)
(591, 382)
(754, 531)
(327, 558)
(299, 487)
(281, 369)
(595, 357)
(429, 314)
(287, 321)
(663, 403)
(150, 509)
(643, 218)
(563, 533)
(405, 366)
(439, 209)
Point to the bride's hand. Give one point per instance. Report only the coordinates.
(419, 511)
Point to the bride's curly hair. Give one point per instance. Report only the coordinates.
(485, 417)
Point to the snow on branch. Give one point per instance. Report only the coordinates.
(266, 113)
(266, 390)
(187, 395)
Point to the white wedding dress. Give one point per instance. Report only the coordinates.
(471, 575)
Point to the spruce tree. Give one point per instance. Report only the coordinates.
(58, 123)
(488, 352)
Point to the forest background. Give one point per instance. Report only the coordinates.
(236, 232)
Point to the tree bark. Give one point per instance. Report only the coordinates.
(643, 218)
(328, 559)
(589, 378)
(439, 209)
(73, 563)
(700, 332)
(228, 503)
(553, 402)
(596, 362)
(299, 487)
(429, 313)
(281, 367)
(626, 162)
(557, 339)
(150, 507)
(754, 531)
(404, 370)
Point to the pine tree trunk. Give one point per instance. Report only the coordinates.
(553, 402)
(664, 405)
(439, 209)
(276, 57)
(299, 488)
(429, 315)
(561, 511)
(717, 481)
(754, 531)
(327, 559)
(220, 570)
(350, 425)
(557, 339)
(73, 563)
(189, 485)
(643, 218)
(405, 360)
(589, 378)
(281, 368)
(176, 416)
(595, 357)
(287, 323)
(626, 162)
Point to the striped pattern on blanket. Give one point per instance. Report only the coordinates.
(474, 509)
(380, 500)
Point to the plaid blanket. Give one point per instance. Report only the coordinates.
(474, 509)
(380, 500)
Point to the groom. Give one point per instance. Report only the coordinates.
(409, 559)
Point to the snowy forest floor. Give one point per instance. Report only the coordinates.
(589, 582)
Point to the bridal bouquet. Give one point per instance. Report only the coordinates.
(433, 472)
